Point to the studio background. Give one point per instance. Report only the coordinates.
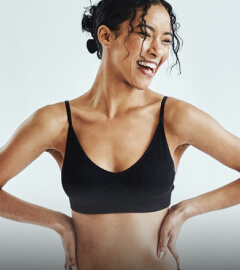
(44, 60)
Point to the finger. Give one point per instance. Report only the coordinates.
(173, 250)
(72, 264)
(69, 267)
(71, 256)
(72, 261)
(69, 264)
(164, 238)
(66, 261)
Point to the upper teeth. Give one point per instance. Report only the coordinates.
(146, 64)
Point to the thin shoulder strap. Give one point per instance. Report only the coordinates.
(162, 108)
(68, 112)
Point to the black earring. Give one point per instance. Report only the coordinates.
(92, 46)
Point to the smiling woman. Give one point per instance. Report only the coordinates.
(118, 147)
(125, 60)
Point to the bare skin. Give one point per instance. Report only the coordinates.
(120, 100)
(133, 237)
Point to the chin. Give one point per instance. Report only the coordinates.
(139, 84)
(142, 86)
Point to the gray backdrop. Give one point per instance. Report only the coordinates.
(44, 60)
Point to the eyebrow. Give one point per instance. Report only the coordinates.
(152, 29)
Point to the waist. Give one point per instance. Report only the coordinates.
(120, 241)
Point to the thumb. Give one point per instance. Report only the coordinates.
(163, 242)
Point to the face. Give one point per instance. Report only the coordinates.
(125, 62)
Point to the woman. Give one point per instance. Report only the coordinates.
(87, 135)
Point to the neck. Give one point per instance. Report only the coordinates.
(111, 95)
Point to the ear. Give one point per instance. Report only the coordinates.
(104, 35)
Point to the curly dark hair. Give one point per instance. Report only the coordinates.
(113, 12)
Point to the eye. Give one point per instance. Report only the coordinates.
(167, 41)
(144, 34)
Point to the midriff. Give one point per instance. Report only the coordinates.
(120, 241)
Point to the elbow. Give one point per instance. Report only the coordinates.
(237, 168)
(235, 164)
(1, 186)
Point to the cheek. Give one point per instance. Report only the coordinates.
(133, 44)
(130, 52)
(165, 54)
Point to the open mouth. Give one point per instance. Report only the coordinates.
(146, 67)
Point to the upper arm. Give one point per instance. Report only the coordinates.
(199, 129)
(29, 141)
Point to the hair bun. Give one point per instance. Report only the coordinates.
(92, 45)
(88, 19)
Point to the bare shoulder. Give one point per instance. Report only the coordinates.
(181, 120)
(174, 109)
(195, 127)
(51, 113)
(43, 127)
(177, 110)
(38, 133)
(52, 120)
(181, 117)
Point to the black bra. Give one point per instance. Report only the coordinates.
(146, 186)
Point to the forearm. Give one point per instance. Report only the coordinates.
(18, 210)
(223, 197)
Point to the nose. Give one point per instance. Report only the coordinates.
(156, 49)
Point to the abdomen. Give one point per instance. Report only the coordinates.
(122, 241)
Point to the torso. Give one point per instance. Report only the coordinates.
(122, 240)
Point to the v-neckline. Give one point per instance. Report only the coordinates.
(135, 164)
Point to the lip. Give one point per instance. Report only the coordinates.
(152, 62)
(145, 73)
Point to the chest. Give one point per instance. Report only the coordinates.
(115, 148)
(148, 181)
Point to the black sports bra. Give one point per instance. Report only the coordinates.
(146, 186)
